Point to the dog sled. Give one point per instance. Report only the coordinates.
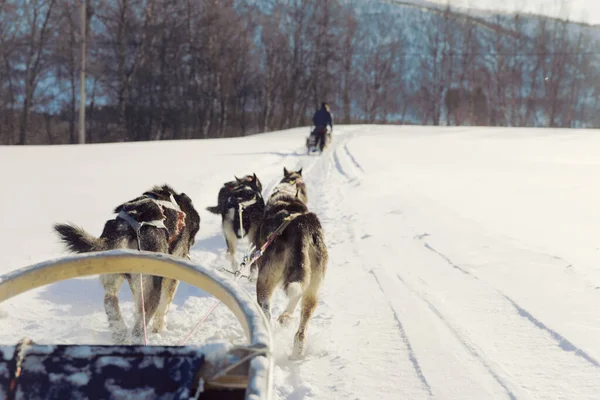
(311, 141)
(209, 371)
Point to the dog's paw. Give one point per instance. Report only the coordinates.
(298, 349)
(120, 338)
(253, 276)
(284, 319)
(157, 328)
(297, 354)
(137, 339)
(119, 333)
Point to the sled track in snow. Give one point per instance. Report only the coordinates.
(562, 342)
(452, 264)
(411, 352)
(338, 166)
(349, 153)
(460, 338)
(345, 163)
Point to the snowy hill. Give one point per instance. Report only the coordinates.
(464, 262)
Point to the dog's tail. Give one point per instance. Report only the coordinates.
(77, 240)
(214, 209)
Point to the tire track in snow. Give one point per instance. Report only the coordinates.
(460, 338)
(563, 343)
(411, 352)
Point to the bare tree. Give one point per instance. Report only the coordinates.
(10, 26)
(38, 19)
(163, 69)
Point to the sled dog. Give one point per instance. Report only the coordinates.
(297, 259)
(160, 221)
(245, 192)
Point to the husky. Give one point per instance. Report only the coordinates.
(246, 193)
(297, 257)
(160, 221)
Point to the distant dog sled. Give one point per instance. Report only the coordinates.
(312, 141)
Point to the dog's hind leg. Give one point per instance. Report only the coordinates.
(269, 275)
(309, 303)
(152, 295)
(253, 273)
(112, 284)
(297, 279)
(294, 294)
(310, 298)
(168, 288)
(231, 240)
(151, 239)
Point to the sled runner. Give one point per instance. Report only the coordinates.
(210, 371)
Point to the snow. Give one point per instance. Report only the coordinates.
(464, 262)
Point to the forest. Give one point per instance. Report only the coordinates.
(192, 69)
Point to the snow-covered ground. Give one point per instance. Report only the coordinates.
(464, 262)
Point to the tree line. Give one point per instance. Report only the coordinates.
(184, 69)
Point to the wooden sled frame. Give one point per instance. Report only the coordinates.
(253, 377)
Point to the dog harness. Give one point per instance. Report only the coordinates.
(159, 223)
(241, 206)
(288, 189)
(257, 253)
(172, 204)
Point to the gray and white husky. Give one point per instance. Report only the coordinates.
(160, 220)
(246, 193)
(296, 259)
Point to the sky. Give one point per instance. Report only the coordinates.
(578, 10)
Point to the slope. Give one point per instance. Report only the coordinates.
(462, 261)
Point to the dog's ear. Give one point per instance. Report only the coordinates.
(183, 199)
(285, 171)
(300, 171)
(237, 179)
